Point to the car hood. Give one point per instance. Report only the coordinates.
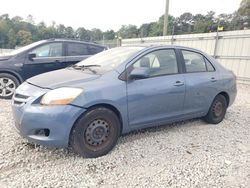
(62, 78)
(5, 57)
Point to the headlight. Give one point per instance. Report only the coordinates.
(60, 96)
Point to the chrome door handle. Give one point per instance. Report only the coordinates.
(178, 83)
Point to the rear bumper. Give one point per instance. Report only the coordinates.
(232, 94)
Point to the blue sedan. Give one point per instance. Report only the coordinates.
(89, 105)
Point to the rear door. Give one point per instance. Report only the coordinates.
(201, 82)
(49, 57)
(160, 97)
(76, 52)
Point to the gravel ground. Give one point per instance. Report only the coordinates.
(185, 154)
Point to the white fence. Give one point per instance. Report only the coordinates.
(4, 51)
(231, 49)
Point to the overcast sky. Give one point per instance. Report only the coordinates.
(109, 14)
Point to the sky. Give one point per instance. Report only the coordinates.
(109, 14)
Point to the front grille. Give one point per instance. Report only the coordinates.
(20, 99)
(18, 103)
(21, 96)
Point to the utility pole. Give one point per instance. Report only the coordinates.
(165, 29)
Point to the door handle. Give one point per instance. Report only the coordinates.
(178, 83)
(213, 79)
(57, 61)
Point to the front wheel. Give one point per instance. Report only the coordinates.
(8, 85)
(217, 110)
(95, 133)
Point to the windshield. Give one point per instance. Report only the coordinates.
(22, 49)
(109, 59)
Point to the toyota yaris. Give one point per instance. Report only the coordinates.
(89, 105)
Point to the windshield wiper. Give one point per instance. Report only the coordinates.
(91, 65)
(82, 67)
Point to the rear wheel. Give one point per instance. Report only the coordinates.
(217, 110)
(96, 133)
(8, 85)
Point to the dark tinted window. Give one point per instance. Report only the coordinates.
(77, 49)
(160, 62)
(95, 49)
(194, 62)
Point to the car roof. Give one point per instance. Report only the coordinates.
(158, 46)
(74, 41)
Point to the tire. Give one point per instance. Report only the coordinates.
(95, 133)
(8, 85)
(217, 110)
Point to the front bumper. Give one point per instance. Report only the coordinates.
(30, 117)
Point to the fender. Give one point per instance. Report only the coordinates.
(7, 71)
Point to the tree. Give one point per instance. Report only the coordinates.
(61, 31)
(109, 35)
(30, 19)
(96, 34)
(69, 33)
(128, 31)
(199, 23)
(24, 38)
(4, 27)
(83, 34)
(244, 12)
(18, 31)
(185, 22)
(11, 39)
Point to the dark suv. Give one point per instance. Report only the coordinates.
(40, 57)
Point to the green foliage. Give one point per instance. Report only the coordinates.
(24, 38)
(109, 35)
(128, 31)
(11, 38)
(17, 32)
(96, 35)
(244, 12)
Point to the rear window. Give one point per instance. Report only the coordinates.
(210, 67)
(194, 62)
(95, 49)
(77, 49)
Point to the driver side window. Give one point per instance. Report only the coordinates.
(160, 62)
(49, 50)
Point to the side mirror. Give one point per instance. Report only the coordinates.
(139, 73)
(31, 56)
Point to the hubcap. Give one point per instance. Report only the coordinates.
(7, 87)
(97, 132)
(218, 109)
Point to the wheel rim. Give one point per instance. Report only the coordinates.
(218, 109)
(7, 87)
(97, 133)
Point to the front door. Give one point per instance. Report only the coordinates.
(160, 97)
(49, 57)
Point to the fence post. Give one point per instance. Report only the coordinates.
(216, 44)
(119, 41)
(172, 40)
